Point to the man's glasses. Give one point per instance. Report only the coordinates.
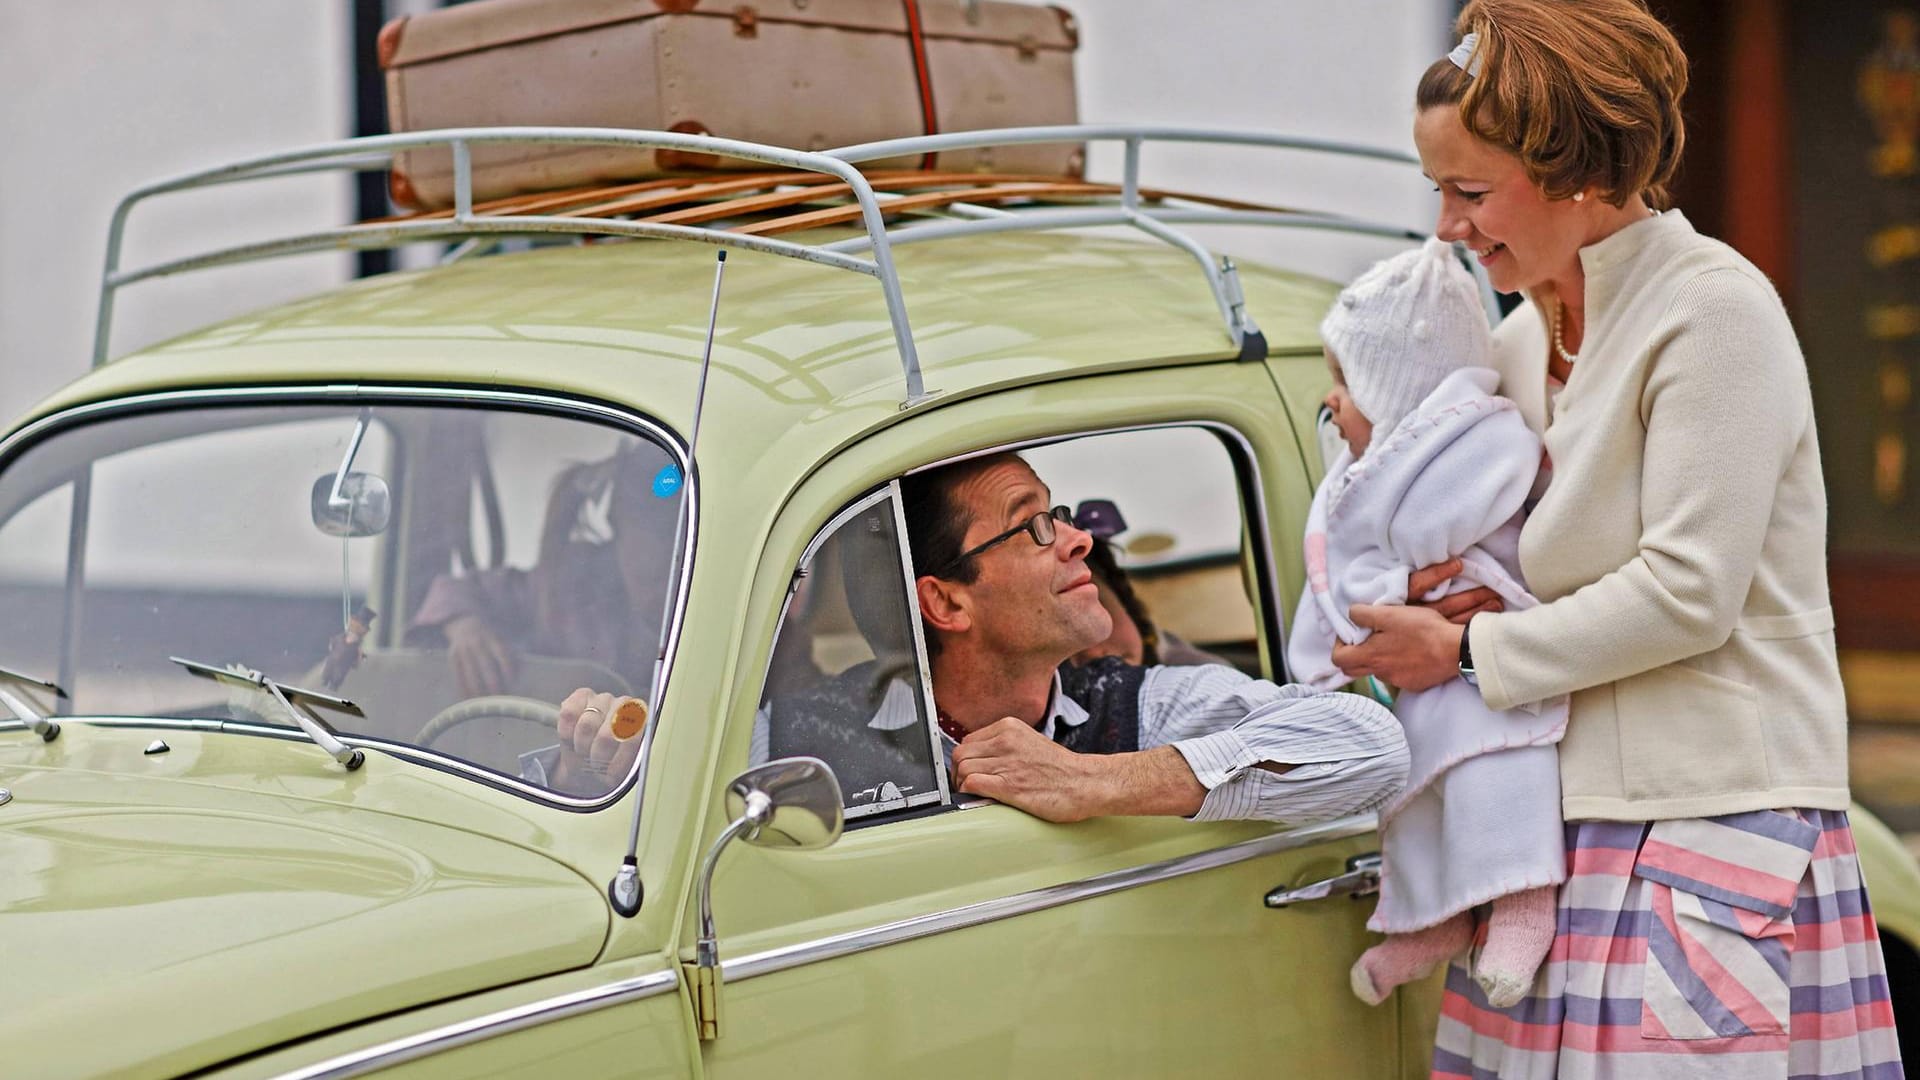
(1040, 526)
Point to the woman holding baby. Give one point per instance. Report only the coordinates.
(1713, 921)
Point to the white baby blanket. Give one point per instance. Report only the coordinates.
(1480, 816)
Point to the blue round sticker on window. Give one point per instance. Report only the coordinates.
(666, 481)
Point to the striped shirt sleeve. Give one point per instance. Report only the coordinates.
(1349, 753)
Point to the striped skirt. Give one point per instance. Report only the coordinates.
(1738, 946)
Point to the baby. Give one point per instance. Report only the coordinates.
(1436, 467)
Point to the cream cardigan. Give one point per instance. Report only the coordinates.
(1680, 551)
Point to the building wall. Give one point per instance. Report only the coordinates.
(99, 96)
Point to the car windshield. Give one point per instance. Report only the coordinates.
(453, 570)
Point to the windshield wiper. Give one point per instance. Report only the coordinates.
(245, 676)
(43, 727)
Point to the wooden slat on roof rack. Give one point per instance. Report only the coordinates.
(836, 215)
(974, 182)
(656, 200)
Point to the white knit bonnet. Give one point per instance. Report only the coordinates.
(1402, 327)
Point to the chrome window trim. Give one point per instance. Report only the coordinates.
(917, 630)
(344, 392)
(1262, 546)
(480, 1028)
(833, 525)
(1007, 907)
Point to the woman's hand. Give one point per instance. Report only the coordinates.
(1458, 607)
(482, 663)
(1414, 648)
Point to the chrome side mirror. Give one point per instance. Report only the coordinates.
(362, 506)
(793, 804)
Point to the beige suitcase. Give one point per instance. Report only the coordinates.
(807, 74)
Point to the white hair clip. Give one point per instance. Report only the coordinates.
(1463, 56)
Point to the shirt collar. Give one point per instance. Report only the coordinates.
(1062, 709)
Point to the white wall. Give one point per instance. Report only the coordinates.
(1344, 71)
(98, 96)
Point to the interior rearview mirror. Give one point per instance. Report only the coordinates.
(363, 506)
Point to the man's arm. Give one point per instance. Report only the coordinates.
(1219, 745)
(1273, 753)
(1010, 762)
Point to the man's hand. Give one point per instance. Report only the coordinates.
(1458, 607)
(482, 663)
(591, 755)
(1010, 762)
(1411, 647)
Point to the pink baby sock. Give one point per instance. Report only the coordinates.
(1402, 958)
(1519, 935)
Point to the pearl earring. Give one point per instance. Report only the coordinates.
(1579, 196)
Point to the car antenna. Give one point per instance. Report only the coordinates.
(625, 891)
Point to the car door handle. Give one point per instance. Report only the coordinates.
(1361, 879)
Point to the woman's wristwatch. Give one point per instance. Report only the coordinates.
(1466, 656)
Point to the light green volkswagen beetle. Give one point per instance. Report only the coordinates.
(292, 599)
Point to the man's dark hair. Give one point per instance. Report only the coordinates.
(937, 523)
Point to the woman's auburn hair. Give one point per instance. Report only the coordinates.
(1585, 92)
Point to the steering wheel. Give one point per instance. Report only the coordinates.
(504, 706)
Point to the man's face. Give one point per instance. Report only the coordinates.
(1026, 599)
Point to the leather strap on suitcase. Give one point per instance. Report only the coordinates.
(918, 38)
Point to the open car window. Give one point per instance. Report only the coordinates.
(848, 680)
(454, 571)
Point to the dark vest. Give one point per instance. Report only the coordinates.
(828, 720)
(1109, 689)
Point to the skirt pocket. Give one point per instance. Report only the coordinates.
(1720, 897)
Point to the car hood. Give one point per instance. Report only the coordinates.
(154, 926)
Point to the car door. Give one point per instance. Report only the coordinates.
(956, 937)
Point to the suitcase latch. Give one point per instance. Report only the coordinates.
(746, 22)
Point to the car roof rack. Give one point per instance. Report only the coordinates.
(808, 178)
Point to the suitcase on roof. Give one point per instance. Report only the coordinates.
(807, 74)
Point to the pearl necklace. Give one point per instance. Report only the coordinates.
(1559, 344)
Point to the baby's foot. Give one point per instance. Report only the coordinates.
(1519, 935)
(1361, 979)
(1403, 958)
